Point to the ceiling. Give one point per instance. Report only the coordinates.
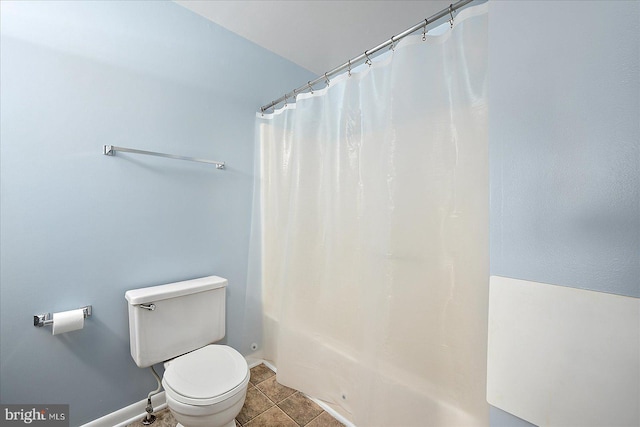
(317, 35)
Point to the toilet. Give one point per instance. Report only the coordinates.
(205, 384)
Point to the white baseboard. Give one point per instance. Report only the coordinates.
(253, 362)
(130, 414)
(269, 365)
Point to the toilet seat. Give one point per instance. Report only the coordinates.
(206, 376)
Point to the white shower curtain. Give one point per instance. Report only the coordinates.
(374, 216)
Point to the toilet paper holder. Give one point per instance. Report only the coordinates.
(47, 318)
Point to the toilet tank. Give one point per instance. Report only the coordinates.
(169, 320)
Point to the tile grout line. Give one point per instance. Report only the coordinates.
(277, 404)
(287, 415)
(323, 411)
(267, 397)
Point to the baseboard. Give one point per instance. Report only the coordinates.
(270, 366)
(130, 414)
(253, 362)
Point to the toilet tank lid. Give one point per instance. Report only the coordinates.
(173, 290)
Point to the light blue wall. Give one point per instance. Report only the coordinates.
(564, 129)
(565, 145)
(81, 228)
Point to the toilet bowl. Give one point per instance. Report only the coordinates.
(175, 324)
(207, 387)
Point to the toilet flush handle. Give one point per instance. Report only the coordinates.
(149, 307)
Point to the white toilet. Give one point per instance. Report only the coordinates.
(205, 384)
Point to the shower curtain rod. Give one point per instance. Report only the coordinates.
(347, 65)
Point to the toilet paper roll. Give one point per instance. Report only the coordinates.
(67, 321)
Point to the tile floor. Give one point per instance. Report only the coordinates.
(268, 404)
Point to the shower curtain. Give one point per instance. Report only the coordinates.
(373, 233)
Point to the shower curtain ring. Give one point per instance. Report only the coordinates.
(424, 30)
(349, 68)
(451, 13)
(392, 47)
(326, 79)
(368, 61)
(310, 88)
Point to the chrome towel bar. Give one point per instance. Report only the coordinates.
(110, 150)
